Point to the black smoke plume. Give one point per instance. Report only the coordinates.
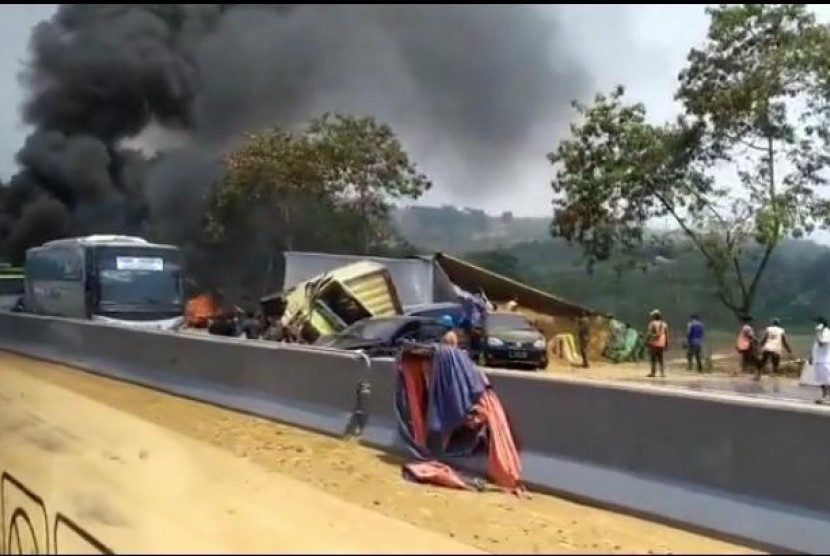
(461, 84)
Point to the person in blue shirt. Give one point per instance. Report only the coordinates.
(694, 342)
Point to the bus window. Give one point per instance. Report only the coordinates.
(147, 279)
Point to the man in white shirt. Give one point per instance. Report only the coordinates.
(772, 343)
(820, 358)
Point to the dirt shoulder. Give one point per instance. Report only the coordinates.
(135, 487)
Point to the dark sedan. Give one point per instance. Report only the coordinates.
(383, 336)
(510, 339)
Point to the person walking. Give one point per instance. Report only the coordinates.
(657, 339)
(820, 358)
(694, 343)
(745, 344)
(773, 342)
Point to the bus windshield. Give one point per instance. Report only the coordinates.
(139, 277)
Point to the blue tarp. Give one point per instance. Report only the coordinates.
(455, 389)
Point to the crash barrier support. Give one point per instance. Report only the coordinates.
(319, 389)
(743, 469)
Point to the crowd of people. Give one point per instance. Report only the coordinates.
(756, 352)
(234, 323)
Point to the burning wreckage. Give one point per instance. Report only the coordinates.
(324, 293)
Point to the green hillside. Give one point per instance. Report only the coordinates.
(462, 230)
(676, 281)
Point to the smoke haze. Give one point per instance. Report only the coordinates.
(467, 89)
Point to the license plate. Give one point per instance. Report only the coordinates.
(517, 354)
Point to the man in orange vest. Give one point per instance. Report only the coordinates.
(745, 343)
(657, 339)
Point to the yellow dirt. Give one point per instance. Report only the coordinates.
(140, 488)
(493, 522)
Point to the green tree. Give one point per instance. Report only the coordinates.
(755, 100)
(364, 164)
(500, 261)
(324, 187)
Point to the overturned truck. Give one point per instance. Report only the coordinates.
(330, 301)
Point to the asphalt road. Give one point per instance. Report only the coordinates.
(772, 388)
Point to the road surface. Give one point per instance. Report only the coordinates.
(147, 472)
(772, 388)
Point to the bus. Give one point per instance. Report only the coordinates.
(106, 278)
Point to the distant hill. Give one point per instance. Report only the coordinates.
(462, 230)
(677, 281)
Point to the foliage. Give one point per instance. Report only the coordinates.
(792, 291)
(460, 230)
(365, 165)
(678, 280)
(755, 100)
(501, 261)
(325, 187)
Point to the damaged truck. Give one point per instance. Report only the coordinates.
(329, 302)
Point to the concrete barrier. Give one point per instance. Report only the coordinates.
(743, 469)
(381, 426)
(748, 469)
(312, 388)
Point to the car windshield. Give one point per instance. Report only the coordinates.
(143, 279)
(505, 321)
(371, 329)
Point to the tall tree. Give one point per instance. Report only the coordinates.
(324, 187)
(755, 101)
(366, 166)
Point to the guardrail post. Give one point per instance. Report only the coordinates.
(359, 417)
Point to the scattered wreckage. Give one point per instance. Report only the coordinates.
(323, 294)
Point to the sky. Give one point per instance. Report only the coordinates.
(641, 46)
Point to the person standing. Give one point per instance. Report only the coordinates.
(773, 342)
(584, 333)
(616, 330)
(745, 344)
(657, 339)
(820, 358)
(449, 338)
(694, 342)
(274, 330)
(252, 326)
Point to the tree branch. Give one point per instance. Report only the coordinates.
(773, 242)
(739, 276)
(701, 246)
